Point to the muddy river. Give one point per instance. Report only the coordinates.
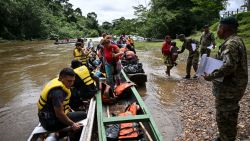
(27, 66)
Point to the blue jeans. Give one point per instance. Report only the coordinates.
(112, 78)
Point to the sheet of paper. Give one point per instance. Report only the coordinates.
(210, 47)
(193, 46)
(208, 65)
(212, 64)
(202, 64)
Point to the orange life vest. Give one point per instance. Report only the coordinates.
(109, 96)
(130, 130)
(122, 87)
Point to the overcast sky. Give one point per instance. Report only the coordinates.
(108, 10)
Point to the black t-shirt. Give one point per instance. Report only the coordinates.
(86, 92)
(56, 97)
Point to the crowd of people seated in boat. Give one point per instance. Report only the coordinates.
(62, 101)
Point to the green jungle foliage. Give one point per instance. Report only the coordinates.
(243, 30)
(28, 19)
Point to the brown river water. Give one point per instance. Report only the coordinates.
(27, 66)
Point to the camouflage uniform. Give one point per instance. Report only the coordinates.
(193, 56)
(206, 40)
(229, 92)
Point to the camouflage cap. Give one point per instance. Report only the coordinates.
(205, 26)
(229, 21)
(181, 36)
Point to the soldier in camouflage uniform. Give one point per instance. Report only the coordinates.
(207, 39)
(234, 70)
(193, 56)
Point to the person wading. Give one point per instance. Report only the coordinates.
(165, 50)
(234, 70)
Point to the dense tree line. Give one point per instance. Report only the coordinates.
(27, 19)
(177, 16)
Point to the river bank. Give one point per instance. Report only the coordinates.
(197, 111)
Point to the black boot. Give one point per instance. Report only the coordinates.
(195, 77)
(216, 139)
(187, 77)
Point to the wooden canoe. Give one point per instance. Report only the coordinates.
(144, 118)
(39, 133)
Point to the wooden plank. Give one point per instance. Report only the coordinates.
(101, 128)
(87, 130)
(124, 119)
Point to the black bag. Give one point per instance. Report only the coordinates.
(112, 132)
(133, 68)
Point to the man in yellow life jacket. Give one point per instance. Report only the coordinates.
(53, 106)
(131, 41)
(84, 87)
(77, 53)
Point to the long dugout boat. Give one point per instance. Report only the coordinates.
(106, 118)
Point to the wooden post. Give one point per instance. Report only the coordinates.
(248, 5)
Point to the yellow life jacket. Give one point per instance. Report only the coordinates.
(84, 74)
(84, 59)
(78, 54)
(44, 95)
(131, 41)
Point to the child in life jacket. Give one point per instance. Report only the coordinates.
(174, 52)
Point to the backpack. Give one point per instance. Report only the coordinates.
(133, 68)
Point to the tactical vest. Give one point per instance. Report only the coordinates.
(84, 74)
(55, 83)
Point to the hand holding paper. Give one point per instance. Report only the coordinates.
(193, 46)
(211, 46)
(208, 65)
